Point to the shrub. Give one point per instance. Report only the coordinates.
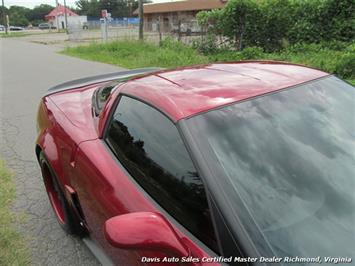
(225, 56)
(304, 48)
(171, 43)
(345, 66)
(206, 45)
(272, 24)
(334, 45)
(350, 48)
(252, 53)
(208, 20)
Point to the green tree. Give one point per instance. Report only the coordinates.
(117, 8)
(18, 15)
(38, 13)
(3, 12)
(91, 8)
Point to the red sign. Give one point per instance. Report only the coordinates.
(104, 13)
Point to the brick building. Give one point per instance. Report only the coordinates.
(170, 14)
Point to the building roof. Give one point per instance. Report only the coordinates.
(185, 92)
(60, 11)
(187, 5)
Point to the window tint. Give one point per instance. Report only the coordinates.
(149, 146)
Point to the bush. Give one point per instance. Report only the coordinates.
(171, 43)
(273, 24)
(345, 66)
(208, 20)
(252, 53)
(322, 20)
(334, 45)
(206, 45)
(305, 48)
(350, 48)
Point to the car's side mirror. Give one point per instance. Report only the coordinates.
(144, 231)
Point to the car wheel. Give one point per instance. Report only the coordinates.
(64, 214)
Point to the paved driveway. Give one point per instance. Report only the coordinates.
(26, 71)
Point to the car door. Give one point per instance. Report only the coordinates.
(142, 164)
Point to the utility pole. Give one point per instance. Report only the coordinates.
(130, 7)
(65, 16)
(4, 16)
(140, 19)
(56, 17)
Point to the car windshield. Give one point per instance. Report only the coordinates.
(290, 158)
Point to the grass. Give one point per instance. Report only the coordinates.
(13, 250)
(135, 54)
(12, 34)
(338, 61)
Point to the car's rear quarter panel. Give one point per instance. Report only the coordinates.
(64, 121)
(53, 139)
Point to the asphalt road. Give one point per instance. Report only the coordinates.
(27, 70)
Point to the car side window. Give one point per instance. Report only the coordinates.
(101, 95)
(149, 146)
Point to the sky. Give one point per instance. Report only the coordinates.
(32, 3)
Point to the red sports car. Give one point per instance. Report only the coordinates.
(240, 163)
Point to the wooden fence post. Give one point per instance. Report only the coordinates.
(179, 31)
(160, 37)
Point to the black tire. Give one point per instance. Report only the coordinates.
(62, 211)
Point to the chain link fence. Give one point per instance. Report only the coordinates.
(127, 29)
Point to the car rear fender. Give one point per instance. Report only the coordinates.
(48, 129)
(58, 147)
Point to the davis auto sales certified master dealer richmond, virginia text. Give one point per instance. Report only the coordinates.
(230, 259)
